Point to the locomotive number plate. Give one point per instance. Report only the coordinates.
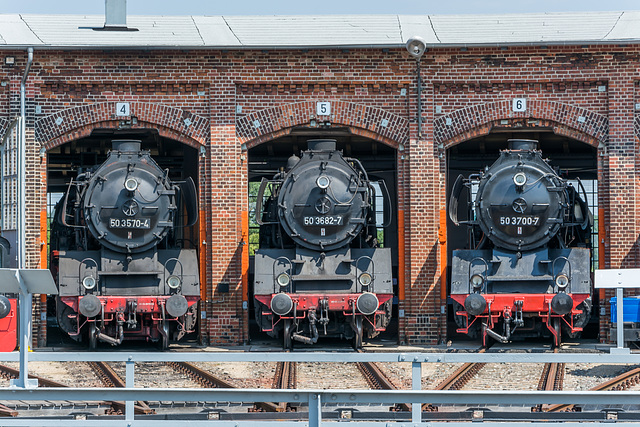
(129, 223)
(519, 220)
(323, 220)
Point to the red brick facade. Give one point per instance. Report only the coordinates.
(228, 101)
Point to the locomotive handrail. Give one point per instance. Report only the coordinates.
(165, 269)
(263, 185)
(356, 161)
(373, 272)
(63, 215)
(189, 195)
(273, 272)
(486, 269)
(456, 191)
(588, 217)
(553, 267)
(387, 199)
(80, 276)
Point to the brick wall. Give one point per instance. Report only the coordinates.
(213, 99)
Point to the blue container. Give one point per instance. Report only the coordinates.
(630, 310)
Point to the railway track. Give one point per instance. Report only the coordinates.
(377, 380)
(116, 407)
(10, 373)
(552, 378)
(457, 380)
(619, 383)
(110, 378)
(285, 378)
(208, 380)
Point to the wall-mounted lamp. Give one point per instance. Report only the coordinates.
(10, 61)
(417, 46)
(400, 147)
(243, 147)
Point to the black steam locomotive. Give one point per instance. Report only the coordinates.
(319, 270)
(121, 272)
(530, 262)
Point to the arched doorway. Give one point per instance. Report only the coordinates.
(66, 160)
(379, 159)
(575, 158)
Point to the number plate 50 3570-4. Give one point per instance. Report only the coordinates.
(129, 223)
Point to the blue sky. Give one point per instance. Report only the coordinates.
(325, 7)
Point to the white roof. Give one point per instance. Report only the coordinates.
(338, 31)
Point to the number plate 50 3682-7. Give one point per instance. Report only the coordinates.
(129, 223)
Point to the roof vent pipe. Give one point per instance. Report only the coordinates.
(115, 12)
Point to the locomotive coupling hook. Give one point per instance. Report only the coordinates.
(313, 328)
(496, 336)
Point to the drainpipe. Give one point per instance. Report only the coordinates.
(25, 298)
(22, 149)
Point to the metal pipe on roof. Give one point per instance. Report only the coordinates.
(115, 13)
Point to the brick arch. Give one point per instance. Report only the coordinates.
(78, 122)
(477, 120)
(370, 122)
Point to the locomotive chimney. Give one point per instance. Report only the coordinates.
(522, 144)
(126, 145)
(322, 144)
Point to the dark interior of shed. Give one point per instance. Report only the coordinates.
(574, 159)
(379, 160)
(66, 161)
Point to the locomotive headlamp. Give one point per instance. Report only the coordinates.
(283, 280)
(520, 179)
(562, 280)
(173, 282)
(365, 279)
(131, 184)
(323, 182)
(476, 281)
(89, 282)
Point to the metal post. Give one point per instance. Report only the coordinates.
(416, 384)
(620, 349)
(24, 308)
(315, 410)
(419, 99)
(129, 383)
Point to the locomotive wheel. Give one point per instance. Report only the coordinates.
(93, 337)
(287, 342)
(357, 338)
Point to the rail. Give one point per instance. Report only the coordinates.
(313, 398)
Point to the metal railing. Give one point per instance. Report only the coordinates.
(313, 398)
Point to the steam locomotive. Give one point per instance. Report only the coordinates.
(319, 270)
(530, 262)
(121, 271)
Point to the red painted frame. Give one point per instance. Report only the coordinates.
(505, 304)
